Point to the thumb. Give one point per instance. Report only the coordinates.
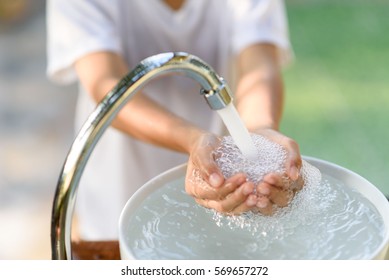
(202, 158)
(293, 160)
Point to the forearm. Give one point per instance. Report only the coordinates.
(141, 118)
(259, 94)
(146, 120)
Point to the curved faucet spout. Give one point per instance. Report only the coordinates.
(214, 89)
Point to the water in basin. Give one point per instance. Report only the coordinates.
(341, 225)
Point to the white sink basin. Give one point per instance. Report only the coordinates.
(346, 176)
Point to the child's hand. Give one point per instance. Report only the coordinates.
(276, 190)
(205, 182)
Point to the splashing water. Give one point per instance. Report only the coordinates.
(325, 220)
(270, 158)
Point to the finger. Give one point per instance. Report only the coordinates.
(233, 200)
(280, 197)
(231, 185)
(271, 180)
(241, 200)
(298, 184)
(264, 206)
(248, 205)
(274, 188)
(209, 171)
(204, 191)
(274, 179)
(293, 161)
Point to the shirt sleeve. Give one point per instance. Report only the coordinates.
(264, 21)
(76, 28)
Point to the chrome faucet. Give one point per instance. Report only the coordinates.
(214, 89)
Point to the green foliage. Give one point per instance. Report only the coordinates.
(337, 101)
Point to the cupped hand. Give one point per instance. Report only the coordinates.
(277, 190)
(205, 182)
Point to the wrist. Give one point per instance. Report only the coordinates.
(262, 127)
(203, 139)
(190, 138)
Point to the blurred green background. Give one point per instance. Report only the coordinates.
(337, 102)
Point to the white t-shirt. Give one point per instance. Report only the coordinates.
(214, 30)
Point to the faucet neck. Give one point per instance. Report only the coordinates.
(214, 90)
